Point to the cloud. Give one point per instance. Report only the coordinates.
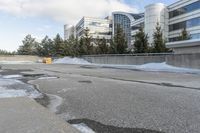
(65, 11)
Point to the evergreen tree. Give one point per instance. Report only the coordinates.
(4, 52)
(29, 46)
(112, 47)
(45, 47)
(102, 47)
(71, 46)
(184, 35)
(87, 41)
(58, 46)
(141, 42)
(85, 44)
(82, 47)
(120, 40)
(158, 42)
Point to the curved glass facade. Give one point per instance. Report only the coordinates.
(185, 9)
(185, 24)
(193, 36)
(125, 23)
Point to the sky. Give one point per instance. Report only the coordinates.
(39, 18)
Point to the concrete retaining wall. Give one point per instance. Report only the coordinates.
(179, 60)
(184, 60)
(20, 58)
(124, 59)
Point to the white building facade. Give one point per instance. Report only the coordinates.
(69, 31)
(183, 14)
(98, 28)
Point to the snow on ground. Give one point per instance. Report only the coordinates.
(161, 67)
(17, 62)
(43, 78)
(145, 67)
(15, 88)
(69, 60)
(83, 128)
(55, 102)
(12, 76)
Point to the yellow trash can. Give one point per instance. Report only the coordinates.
(47, 60)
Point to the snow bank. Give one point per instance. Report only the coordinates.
(69, 60)
(15, 88)
(83, 128)
(162, 67)
(12, 76)
(43, 78)
(17, 62)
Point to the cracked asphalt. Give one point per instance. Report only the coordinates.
(111, 100)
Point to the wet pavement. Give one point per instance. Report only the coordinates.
(121, 101)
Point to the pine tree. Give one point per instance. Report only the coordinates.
(58, 46)
(29, 46)
(158, 42)
(184, 35)
(141, 42)
(102, 47)
(113, 47)
(45, 47)
(120, 40)
(85, 44)
(71, 46)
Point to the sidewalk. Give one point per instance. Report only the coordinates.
(24, 115)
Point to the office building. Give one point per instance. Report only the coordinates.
(126, 22)
(69, 31)
(183, 14)
(98, 28)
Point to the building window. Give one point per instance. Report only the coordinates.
(186, 9)
(193, 36)
(125, 23)
(185, 24)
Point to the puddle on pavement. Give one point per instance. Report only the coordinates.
(98, 127)
(85, 81)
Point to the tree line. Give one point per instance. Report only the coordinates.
(86, 45)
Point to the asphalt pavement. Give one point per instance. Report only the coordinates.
(114, 100)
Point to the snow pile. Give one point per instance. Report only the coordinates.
(69, 60)
(17, 62)
(15, 88)
(162, 67)
(12, 76)
(83, 128)
(43, 78)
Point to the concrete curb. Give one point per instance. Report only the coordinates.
(24, 115)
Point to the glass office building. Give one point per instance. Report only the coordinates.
(125, 21)
(98, 28)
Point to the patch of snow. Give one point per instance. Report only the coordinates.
(17, 62)
(55, 102)
(4, 93)
(41, 78)
(15, 88)
(162, 67)
(69, 60)
(12, 76)
(63, 90)
(83, 128)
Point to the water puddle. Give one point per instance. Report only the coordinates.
(97, 127)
